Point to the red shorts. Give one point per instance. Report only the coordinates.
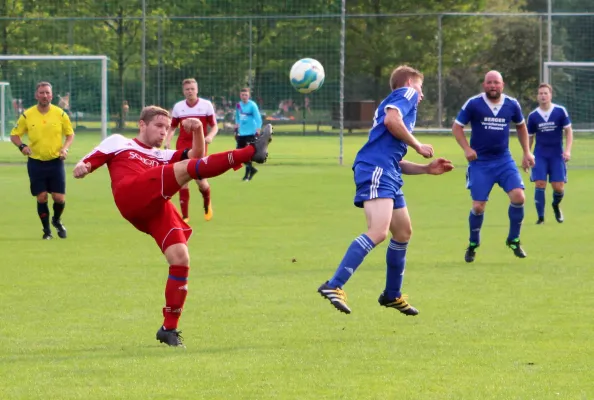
(187, 144)
(144, 202)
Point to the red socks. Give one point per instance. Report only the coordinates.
(216, 164)
(176, 291)
(184, 201)
(206, 198)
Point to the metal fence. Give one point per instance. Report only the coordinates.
(150, 55)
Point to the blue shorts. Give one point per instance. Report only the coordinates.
(553, 167)
(481, 177)
(373, 183)
(46, 176)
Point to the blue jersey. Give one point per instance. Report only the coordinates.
(489, 124)
(548, 128)
(247, 116)
(382, 149)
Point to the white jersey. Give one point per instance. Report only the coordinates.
(203, 110)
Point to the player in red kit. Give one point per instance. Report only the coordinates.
(143, 180)
(202, 109)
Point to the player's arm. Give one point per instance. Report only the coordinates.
(195, 126)
(68, 132)
(436, 167)
(395, 124)
(257, 117)
(462, 119)
(528, 158)
(568, 142)
(96, 158)
(212, 123)
(17, 133)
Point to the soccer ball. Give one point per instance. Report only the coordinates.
(307, 75)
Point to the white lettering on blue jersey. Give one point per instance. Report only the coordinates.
(548, 127)
(489, 124)
(382, 149)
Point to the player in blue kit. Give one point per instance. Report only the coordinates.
(378, 170)
(546, 124)
(490, 114)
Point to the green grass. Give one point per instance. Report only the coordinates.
(79, 315)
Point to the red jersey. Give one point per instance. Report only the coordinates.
(203, 110)
(128, 158)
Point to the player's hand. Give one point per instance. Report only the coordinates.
(191, 124)
(26, 151)
(208, 139)
(527, 161)
(81, 170)
(566, 156)
(426, 150)
(439, 166)
(63, 154)
(470, 154)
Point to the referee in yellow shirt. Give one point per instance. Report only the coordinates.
(46, 126)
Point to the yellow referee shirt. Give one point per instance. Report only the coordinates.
(45, 131)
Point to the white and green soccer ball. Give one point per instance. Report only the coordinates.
(307, 75)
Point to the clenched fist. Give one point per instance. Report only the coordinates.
(191, 124)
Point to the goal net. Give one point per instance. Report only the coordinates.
(79, 86)
(9, 109)
(573, 87)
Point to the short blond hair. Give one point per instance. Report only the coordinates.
(402, 74)
(189, 80)
(149, 113)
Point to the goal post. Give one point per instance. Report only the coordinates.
(70, 72)
(573, 88)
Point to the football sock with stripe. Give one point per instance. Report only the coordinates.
(557, 197)
(475, 222)
(516, 216)
(176, 291)
(43, 212)
(219, 163)
(396, 263)
(354, 256)
(539, 201)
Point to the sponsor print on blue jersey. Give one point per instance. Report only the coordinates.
(547, 126)
(382, 149)
(489, 124)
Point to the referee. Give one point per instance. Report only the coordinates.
(46, 125)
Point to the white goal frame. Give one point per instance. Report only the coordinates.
(546, 74)
(103, 59)
(3, 86)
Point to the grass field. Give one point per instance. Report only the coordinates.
(79, 315)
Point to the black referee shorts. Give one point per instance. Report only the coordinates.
(243, 141)
(46, 176)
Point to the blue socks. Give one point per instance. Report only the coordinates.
(396, 261)
(539, 201)
(557, 197)
(516, 216)
(475, 221)
(354, 256)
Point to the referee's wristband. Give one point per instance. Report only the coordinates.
(22, 146)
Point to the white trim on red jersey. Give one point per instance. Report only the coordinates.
(128, 157)
(203, 110)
